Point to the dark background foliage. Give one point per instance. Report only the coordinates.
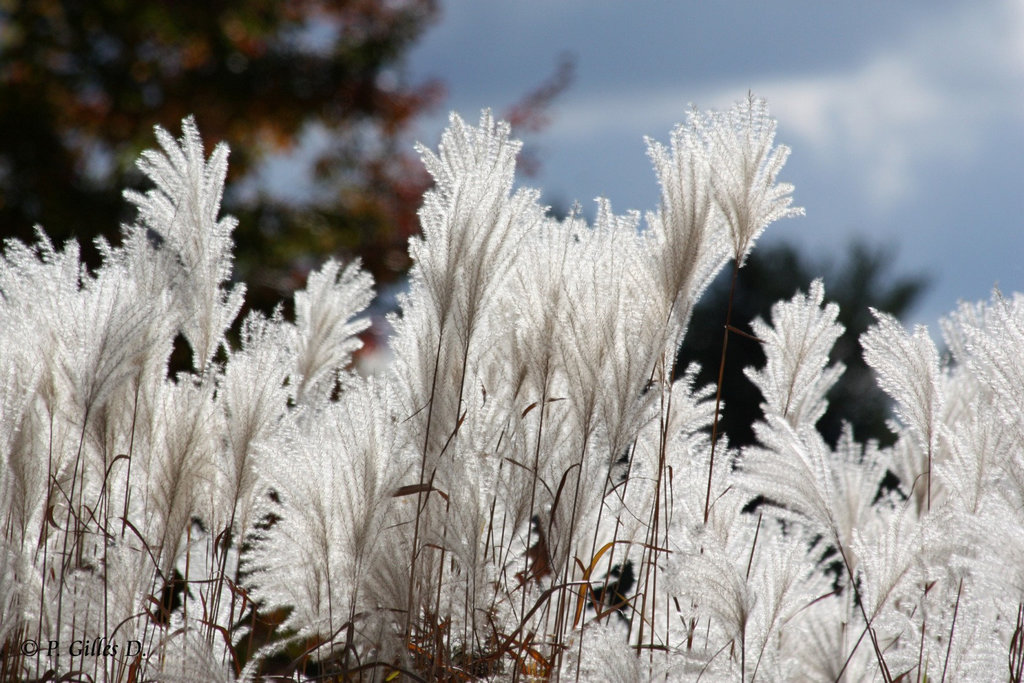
(83, 83)
(858, 280)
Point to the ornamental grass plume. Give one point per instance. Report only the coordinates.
(524, 491)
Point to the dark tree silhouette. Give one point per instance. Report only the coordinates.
(861, 279)
(82, 84)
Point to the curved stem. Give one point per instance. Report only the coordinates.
(718, 391)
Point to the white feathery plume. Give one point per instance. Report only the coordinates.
(180, 468)
(326, 324)
(785, 583)
(471, 219)
(793, 467)
(334, 472)
(472, 225)
(994, 356)
(253, 398)
(22, 479)
(832, 491)
(179, 217)
(908, 370)
(687, 233)
(794, 380)
(606, 655)
(744, 168)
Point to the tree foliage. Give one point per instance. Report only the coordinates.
(861, 278)
(83, 83)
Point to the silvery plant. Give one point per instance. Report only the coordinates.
(529, 489)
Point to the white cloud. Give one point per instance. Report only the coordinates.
(884, 117)
(929, 99)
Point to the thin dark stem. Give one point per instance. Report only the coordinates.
(65, 553)
(1016, 658)
(857, 598)
(952, 626)
(743, 654)
(650, 552)
(409, 615)
(622, 496)
(753, 545)
(533, 486)
(850, 656)
(929, 506)
(561, 617)
(920, 647)
(718, 391)
(42, 535)
(743, 633)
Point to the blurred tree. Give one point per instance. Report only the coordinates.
(82, 84)
(775, 272)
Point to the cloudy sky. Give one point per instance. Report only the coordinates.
(906, 119)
